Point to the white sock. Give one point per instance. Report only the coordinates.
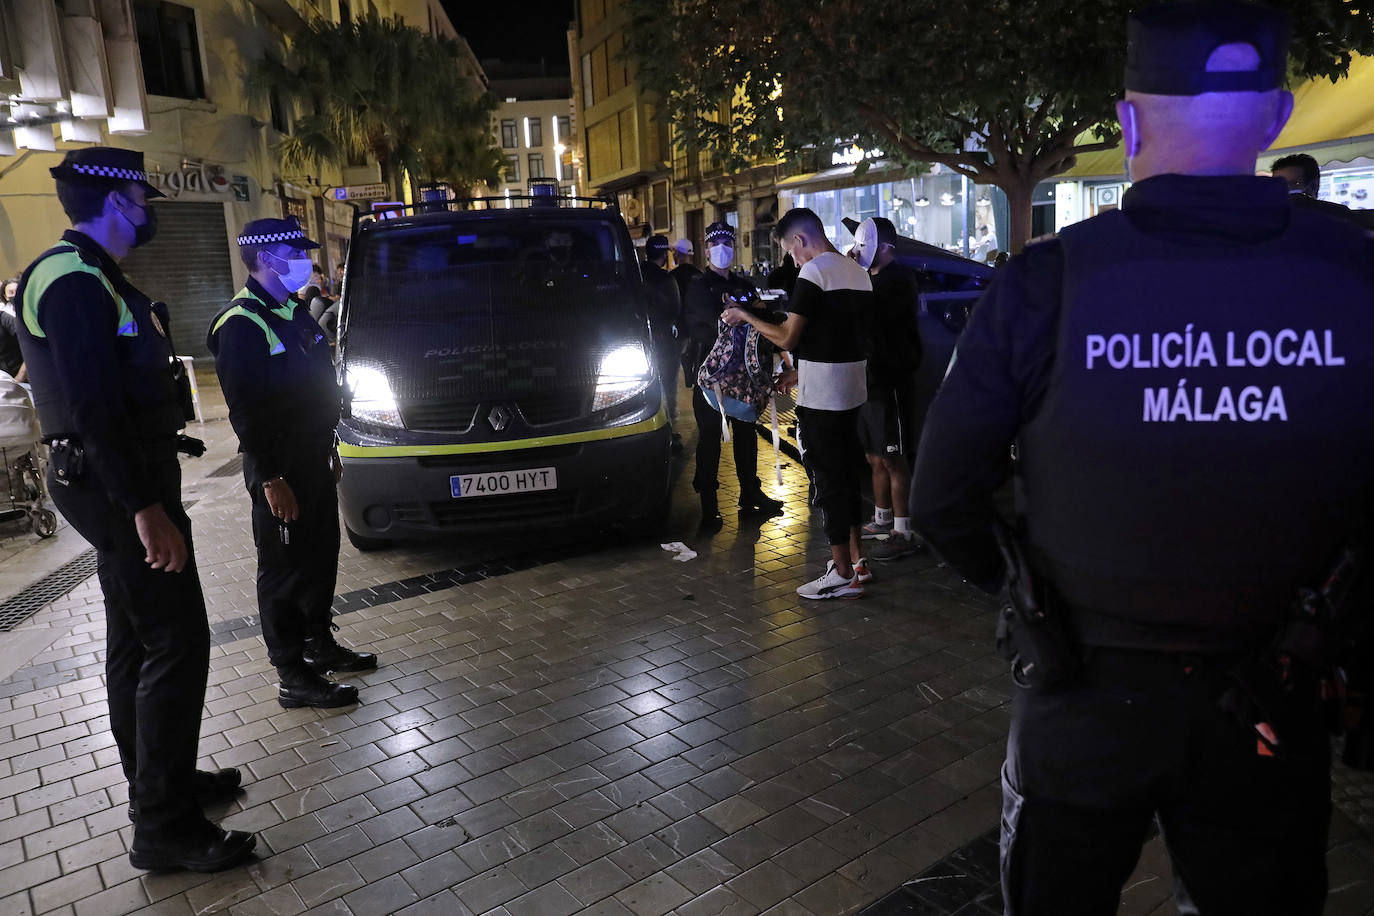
(882, 515)
(901, 525)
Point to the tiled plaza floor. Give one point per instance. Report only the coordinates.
(576, 727)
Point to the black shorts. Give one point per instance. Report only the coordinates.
(885, 421)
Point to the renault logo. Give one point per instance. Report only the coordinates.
(499, 418)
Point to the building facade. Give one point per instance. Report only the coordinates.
(167, 78)
(536, 128)
(624, 137)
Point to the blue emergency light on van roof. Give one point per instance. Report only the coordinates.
(544, 191)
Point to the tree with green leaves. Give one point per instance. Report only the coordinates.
(1006, 92)
(377, 87)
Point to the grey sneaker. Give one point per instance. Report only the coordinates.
(895, 547)
(875, 529)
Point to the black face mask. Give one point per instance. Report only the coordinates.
(144, 231)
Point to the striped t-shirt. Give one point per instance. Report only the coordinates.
(834, 294)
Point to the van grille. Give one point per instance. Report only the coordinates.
(456, 513)
(541, 408)
(439, 416)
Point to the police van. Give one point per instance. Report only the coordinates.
(495, 355)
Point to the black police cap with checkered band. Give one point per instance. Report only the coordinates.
(104, 165)
(276, 231)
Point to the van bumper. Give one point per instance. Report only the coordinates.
(602, 482)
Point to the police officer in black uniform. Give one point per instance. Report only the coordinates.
(665, 315)
(278, 377)
(107, 396)
(712, 292)
(1189, 381)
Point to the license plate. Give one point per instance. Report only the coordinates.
(497, 482)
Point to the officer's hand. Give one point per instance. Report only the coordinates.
(336, 465)
(734, 317)
(281, 500)
(166, 548)
(786, 380)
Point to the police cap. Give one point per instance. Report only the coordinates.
(656, 245)
(104, 165)
(1168, 45)
(276, 231)
(720, 232)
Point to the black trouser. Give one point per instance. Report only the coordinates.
(743, 439)
(668, 358)
(1141, 735)
(298, 562)
(157, 648)
(833, 458)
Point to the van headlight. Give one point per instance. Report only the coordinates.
(625, 372)
(371, 398)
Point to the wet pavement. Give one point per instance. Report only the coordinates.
(560, 724)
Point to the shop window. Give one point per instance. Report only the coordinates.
(660, 215)
(535, 139)
(169, 50)
(536, 165)
(564, 128)
(509, 134)
(511, 172)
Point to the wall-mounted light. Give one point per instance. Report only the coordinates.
(984, 201)
(947, 199)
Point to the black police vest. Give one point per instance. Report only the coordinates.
(141, 346)
(1206, 430)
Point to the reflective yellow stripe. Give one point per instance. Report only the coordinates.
(657, 421)
(66, 260)
(274, 344)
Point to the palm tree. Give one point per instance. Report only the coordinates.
(376, 87)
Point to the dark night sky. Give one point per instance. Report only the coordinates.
(525, 30)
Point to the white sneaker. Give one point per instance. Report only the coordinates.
(862, 572)
(875, 529)
(832, 585)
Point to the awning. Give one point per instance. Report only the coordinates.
(842, 177)
(1323, 113)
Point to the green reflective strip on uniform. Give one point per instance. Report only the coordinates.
(283, 311)
(274, 344)
(657, 421)
(67, 260)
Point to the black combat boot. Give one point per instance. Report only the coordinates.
(323, 655)
(210, 787)
(753, 502)
(301, 686)
(195, 846)
(710, 512)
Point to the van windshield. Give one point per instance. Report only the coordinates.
(500, 310)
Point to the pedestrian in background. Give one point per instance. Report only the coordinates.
(830, 303)
(100, 360)
(708, 297)
(11, 357)
(665, 316)
(887, 426)
(277, 373)
(1173, 508)
(684, 271)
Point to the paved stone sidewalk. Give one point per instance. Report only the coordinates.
(608, 731)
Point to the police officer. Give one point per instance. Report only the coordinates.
(1189, 382)
(100, 363)
(708, 295)
(665, 314)
(275, 368)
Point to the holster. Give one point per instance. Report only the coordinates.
(1031, 632)
(67, 458)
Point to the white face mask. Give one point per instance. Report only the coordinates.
(722, 256)
(298, 271)
(866, 243)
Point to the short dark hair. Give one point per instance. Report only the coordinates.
(83, 201)
(1311, 172)
(798, 218)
